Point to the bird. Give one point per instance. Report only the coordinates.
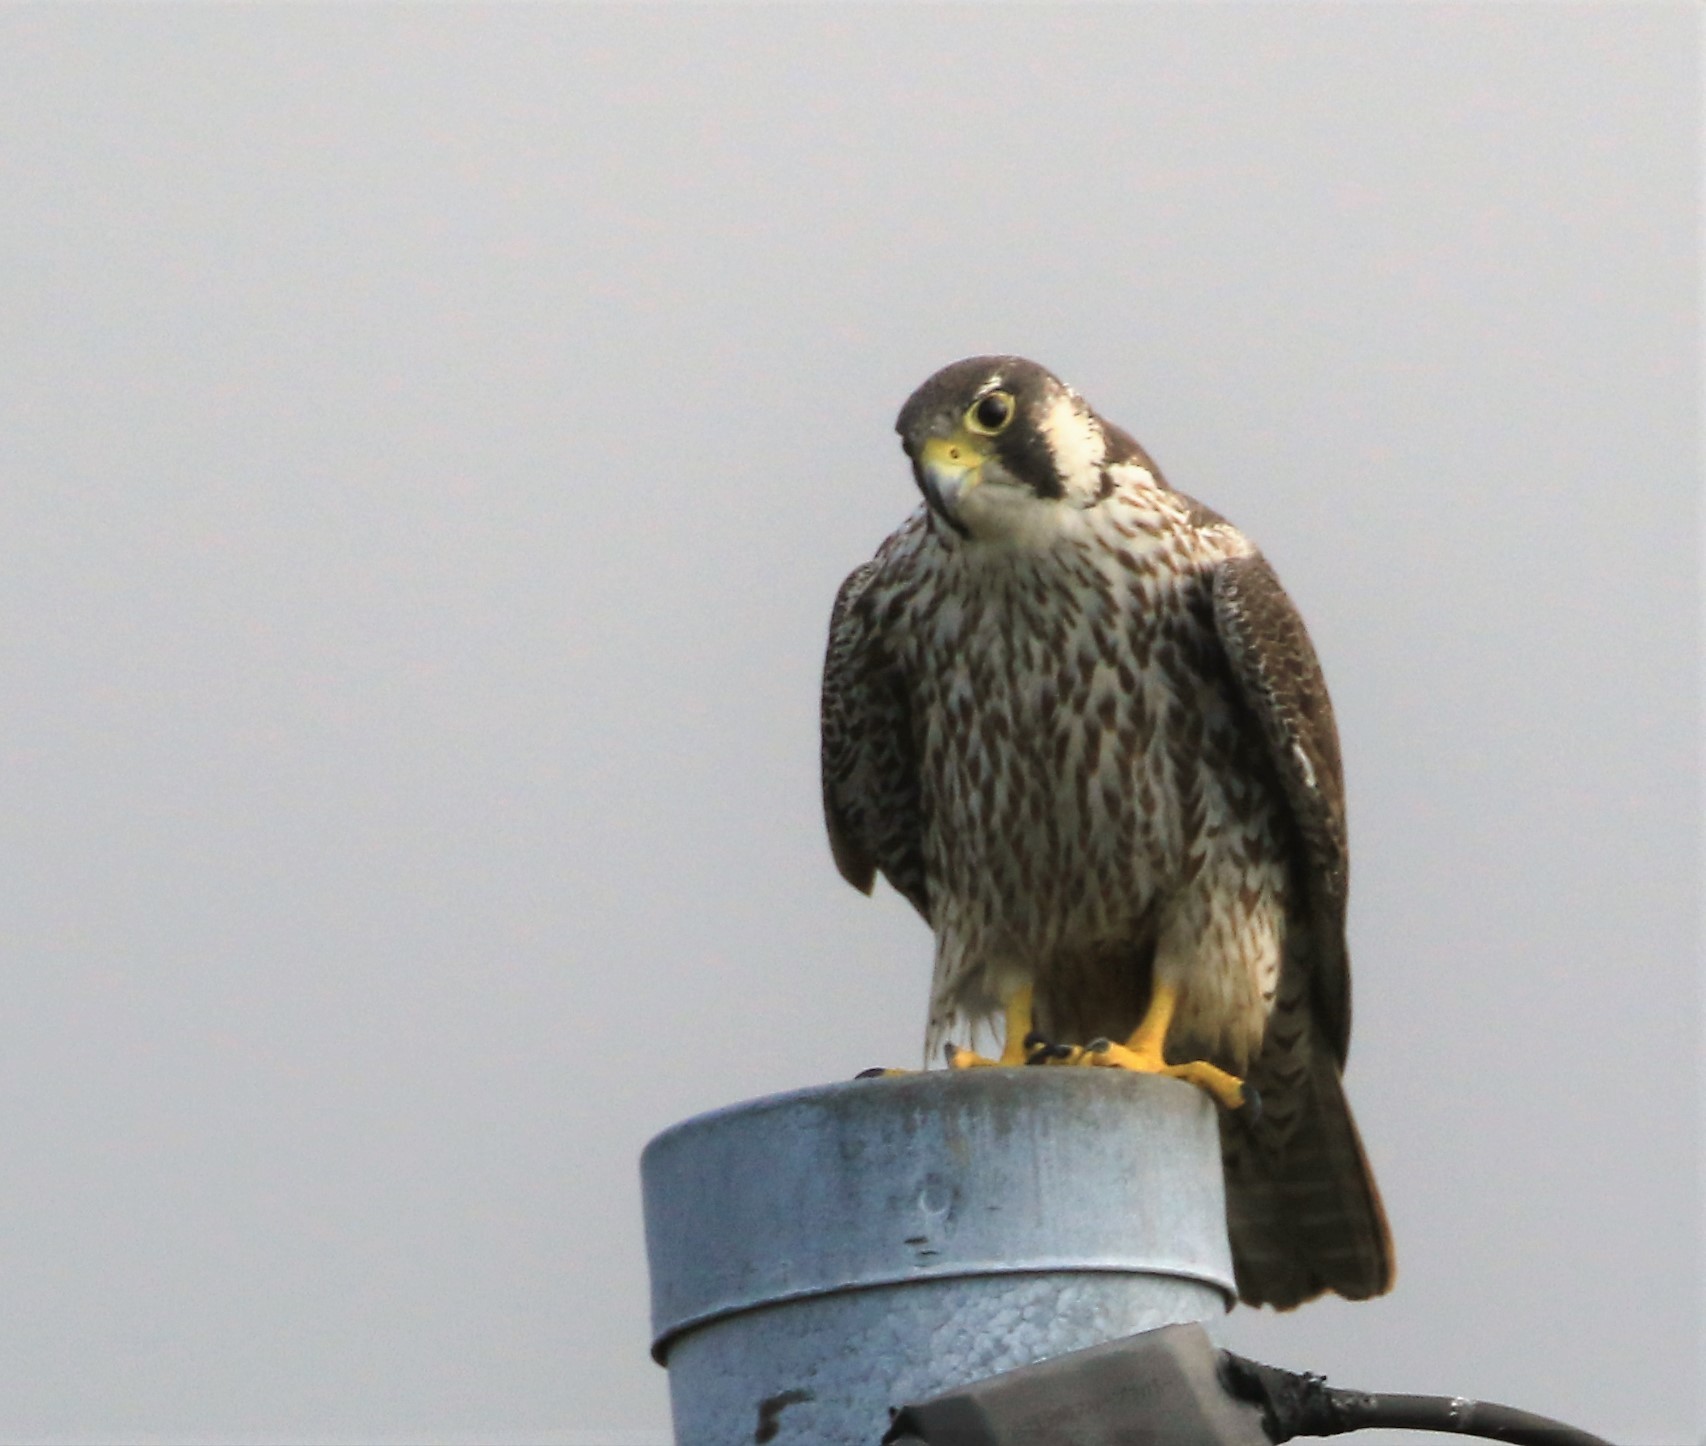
(1071, 715)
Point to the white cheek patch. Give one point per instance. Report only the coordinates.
(1077, 443)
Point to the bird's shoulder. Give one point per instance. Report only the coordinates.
(1140, 513)
(882, 601)
(896, 558)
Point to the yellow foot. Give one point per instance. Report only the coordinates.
(1227, 1089)
(1142, 1054)
(1014, 1042)
(958, 1057)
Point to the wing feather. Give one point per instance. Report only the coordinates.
(1303, 1211)
(870, 766)
(1280, 680)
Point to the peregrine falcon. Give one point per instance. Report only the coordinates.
(1070, 714)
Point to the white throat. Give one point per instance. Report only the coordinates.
(1012, 514)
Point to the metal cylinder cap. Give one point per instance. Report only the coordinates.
(827, 1248)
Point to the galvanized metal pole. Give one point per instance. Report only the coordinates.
(822, 1256)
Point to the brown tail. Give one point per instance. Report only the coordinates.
(1302, 1208)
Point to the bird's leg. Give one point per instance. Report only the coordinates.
(1017, 1011)
(1142, 1053)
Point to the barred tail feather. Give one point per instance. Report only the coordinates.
(1302, 1209)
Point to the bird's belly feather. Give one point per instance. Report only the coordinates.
(1083, 810)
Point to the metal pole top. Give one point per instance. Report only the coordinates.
(855, 1245)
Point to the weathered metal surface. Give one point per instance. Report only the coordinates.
(817, 1257)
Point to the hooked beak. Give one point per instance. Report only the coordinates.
(947, 469)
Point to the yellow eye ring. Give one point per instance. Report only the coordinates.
(991, 413)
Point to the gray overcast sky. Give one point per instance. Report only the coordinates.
(431, 441)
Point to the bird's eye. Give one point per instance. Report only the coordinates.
(992, 413)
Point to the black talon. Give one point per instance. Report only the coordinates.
(1251, 1110)
(949, 1050)
(1038, 1049)
(875, 1073)
(1096, 1046)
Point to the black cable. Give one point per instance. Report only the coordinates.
(1296, 1404)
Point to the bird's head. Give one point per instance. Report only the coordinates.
(1001, 447)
